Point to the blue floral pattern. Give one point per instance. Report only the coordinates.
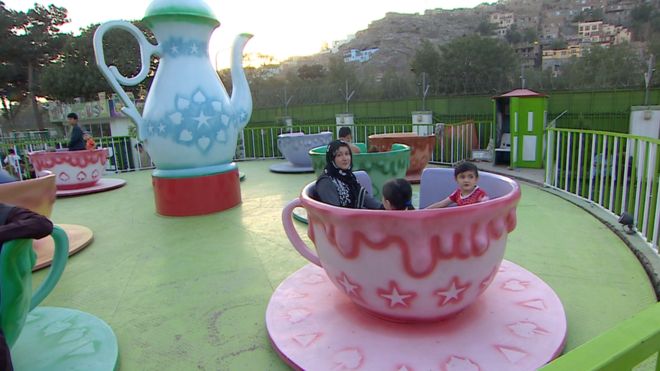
(197, 121)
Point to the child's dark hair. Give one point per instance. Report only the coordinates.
(72, 115)
(12, 151)
(464, 167)
(399, 193)
(344, 131)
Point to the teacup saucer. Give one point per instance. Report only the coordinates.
(65, 339)
(289, 168)
(518, 323)
(79, 238)
(105, 184)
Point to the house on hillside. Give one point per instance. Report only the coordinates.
(554, 59)
(355, 55)
(502, 21)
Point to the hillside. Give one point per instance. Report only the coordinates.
(397, 36)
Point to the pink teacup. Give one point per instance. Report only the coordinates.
(72, 169)
(410, 266)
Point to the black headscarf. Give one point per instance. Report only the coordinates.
(351, 193)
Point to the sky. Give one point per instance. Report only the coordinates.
(281, 28)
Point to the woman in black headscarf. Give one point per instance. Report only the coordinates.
(337, 185)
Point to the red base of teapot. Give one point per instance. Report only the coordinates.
(197, 195)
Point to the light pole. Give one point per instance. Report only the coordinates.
(648, 76)
(347, 95)
(425, 90)
(286, 103)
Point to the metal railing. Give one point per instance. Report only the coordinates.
(455, 142)
(618, 172)
(123, 155)
(623, 347)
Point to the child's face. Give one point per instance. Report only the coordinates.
(467, 181)
(86, 137)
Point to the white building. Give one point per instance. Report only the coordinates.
(361, 56)
(338, 43)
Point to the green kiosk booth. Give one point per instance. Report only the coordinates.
(520, 118)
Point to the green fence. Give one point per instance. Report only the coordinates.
(621, 348)
(589, 110)
(618, 172)
(455, 142)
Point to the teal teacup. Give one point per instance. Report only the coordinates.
(16, 298)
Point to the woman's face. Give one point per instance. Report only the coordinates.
(343, 158)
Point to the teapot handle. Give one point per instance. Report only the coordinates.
(112, 74)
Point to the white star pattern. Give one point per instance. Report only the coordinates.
(161, 128)
(515, 285)
(395, 297)
(452, 293)
(202, 119)
(151, 129)
(193, 49)
(174, 49)
(349, 287)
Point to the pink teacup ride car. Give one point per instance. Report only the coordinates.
(38, 195)
(76, 172)
(423, 289)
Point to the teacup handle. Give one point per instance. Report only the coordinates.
(57, 267)
(292, 234)
(112, 74)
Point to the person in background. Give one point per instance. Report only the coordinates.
(145, 160)
(89, 142)
(346, 135)
(13, 162)
(76, 143)
(17, 223)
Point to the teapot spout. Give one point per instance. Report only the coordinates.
(241, 99)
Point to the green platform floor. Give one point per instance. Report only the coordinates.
(191, 293)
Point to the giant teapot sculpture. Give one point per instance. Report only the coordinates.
(189, 125)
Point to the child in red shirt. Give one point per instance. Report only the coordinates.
(468, 192)
(89, 142)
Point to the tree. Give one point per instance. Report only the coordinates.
(340, 71)
(559, 44)
(311, 72)
(38, 42)
(485, 28)
(12, 77)
(427, 60)
(75, 73)
(473, 64)
(645, 21)
(529, 35)
(615, 67)
(513, 36)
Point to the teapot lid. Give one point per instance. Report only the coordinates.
(190, 8)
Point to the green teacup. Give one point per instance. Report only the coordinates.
(16, 261)
(381, 166)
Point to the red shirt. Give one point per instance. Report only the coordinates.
(476, 196)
